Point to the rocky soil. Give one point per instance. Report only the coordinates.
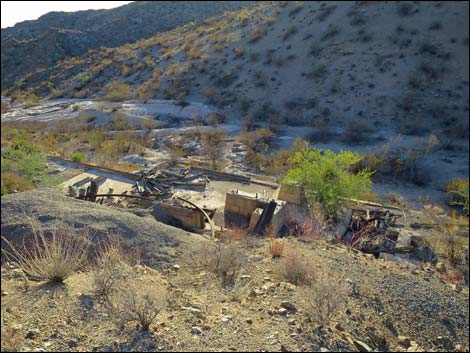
(388, 307)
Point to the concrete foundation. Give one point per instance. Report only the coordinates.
(178, 215)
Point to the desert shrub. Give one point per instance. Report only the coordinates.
(213, 145)
(294, 267)
(109, 268)
(324, 298)
(313, 228)
(52, 258)
(327, 178)
(458, 190)
(148, 124)
(12, 182)
(277, 164)
(449, 234)
(12, 339)
(175, 154)
(256, 34)
(223, 258)
(126, 70)
(78, 157)
(146, 91)
(137, 301)
(117, 91)
(357, 131)
(23, 161)
(118, 122)
(157, 73)
(276, 247)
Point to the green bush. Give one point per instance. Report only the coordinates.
(327, 178)
(78, 157)
(459, 194)
(21, 166)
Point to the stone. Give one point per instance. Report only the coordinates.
(424, 253)
(291, 322)
(196, 330)
(31, 334)
(445, 343)
(404, 341)
(256, 293)
(288, 305)
(403, 240)
(226, 319)
(282, 311)
(176, 267)
(72, 344)
(361, 346)
(249, 321)
(440, 267)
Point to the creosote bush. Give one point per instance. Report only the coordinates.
(51, 257)
(223, 257)
(138, 301)
(324, 297)
(118, 91)
(294, 268)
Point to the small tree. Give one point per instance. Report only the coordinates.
(327, 178)
(214, 143)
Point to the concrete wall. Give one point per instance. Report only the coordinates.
(242, 205)
(172, 214)
(293, 193)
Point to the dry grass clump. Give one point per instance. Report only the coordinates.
(109, 267)
(323, 299)
(11, 339)
(276, 247)
(295, 268)
(312, 229)
(51, 257)
(138, 301)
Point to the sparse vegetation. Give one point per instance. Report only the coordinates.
(295, 268)
(137, 301)
(51, 257)
(117, 91)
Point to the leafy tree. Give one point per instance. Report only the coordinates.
(327, 178)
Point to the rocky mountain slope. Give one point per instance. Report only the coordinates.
(41, 43)
(312, 63)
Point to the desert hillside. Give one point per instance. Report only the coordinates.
(55, 36)
(312, 63)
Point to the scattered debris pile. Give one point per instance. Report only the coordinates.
(377, 232)
(160, 183)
